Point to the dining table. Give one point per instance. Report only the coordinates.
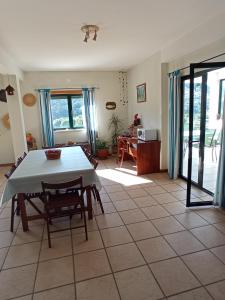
(36, 168)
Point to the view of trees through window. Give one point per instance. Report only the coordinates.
(67, 112)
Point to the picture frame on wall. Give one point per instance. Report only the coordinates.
(141, 93)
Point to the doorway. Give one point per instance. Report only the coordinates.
(202, 97)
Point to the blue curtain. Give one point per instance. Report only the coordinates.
(174, 117)
(89, 105)
(46, 119)
(219, 195)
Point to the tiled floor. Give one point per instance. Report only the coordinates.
(146, 246)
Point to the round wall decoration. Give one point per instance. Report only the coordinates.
(29, 99)
(6, 121)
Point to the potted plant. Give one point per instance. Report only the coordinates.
(115, 125)
(102, 151)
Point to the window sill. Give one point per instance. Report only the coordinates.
(70, 130)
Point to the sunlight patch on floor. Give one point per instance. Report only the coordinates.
(121, 177)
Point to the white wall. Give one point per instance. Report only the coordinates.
(153, 74)
(108, 89)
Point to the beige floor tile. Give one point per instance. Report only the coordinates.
(173, 276)
(220, 227)
(191, 220)
(206, 266)
(54, 273)
(219, 252)
(17, 282)
(66, 292)
(217, 290)
(132, 216)
(154, 190)
(28, 297)
(145, 201)
(77, 221)
(168, 225)
(125, 205)
(105, 198)
(5, 224)
(3, 253)
(124, 256)
(155, 249)
(97, 288)
(33, 235)
(211, 215)
(184, 242)
(108, 208)
(114, 188)
(137, 284)
(115, 236)
(155, 212)
(197, 294)
(60, 247)
(91, 264)
(118, 196)
(209, 236)
(6, 238)
(94, 242)
(22, 255)
(137, 193)
(164, 198)
(182, 195)
(6, 213)
(109, 220)
(142, 230)
(172, 187)
(175, 208)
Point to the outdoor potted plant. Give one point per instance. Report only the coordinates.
(102, 151)
(115, 125)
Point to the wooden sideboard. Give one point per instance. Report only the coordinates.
(145, 153)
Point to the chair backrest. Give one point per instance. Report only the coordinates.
(9, 173)
(94, 162)
(62, 186)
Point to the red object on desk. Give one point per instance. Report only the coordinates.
(146, 154)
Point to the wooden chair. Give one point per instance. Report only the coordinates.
(15, 209)
(126, 147)
(14, 200)
(63, 199)
(94, 189)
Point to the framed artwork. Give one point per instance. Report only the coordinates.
(141, 93)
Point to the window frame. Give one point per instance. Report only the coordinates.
(70, 110)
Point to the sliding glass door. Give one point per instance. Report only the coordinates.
(201, 119)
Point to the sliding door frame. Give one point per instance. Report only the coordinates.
(205, 66)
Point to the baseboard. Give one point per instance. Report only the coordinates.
(163, 171)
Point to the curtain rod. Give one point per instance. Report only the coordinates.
(184, 68)
(69, 89)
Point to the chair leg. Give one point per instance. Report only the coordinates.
(85, 224)
(98, 198)
(48, 232)
(122, 157)
(12, 214)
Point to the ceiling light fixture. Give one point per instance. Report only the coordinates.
(90, 30)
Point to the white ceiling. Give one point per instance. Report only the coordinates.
(45, 34)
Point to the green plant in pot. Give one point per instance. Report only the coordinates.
(102, 150)
(114, 126)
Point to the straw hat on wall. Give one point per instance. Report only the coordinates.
(29, 99)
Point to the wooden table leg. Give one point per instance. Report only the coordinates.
(89, 202)
(23, 212)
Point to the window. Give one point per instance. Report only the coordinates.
(67, 112)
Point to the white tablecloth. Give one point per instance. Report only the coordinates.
(36, 168)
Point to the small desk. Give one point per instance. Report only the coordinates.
(147, 154)
(36, 168)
